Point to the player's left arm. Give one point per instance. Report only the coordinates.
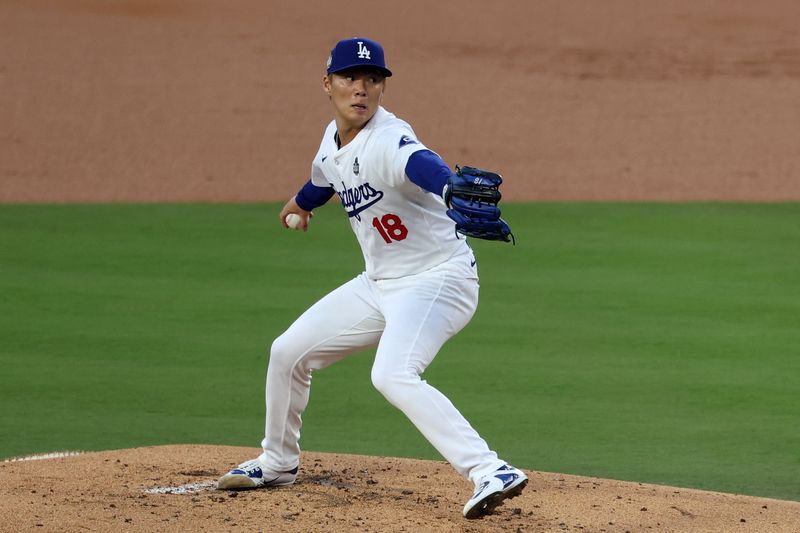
(427, 170)
(471, 195)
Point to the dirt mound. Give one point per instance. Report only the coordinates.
(171, 488)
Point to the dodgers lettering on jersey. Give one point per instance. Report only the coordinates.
(401, 228)
(355, 200)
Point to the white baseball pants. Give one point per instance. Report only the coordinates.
(409, 319)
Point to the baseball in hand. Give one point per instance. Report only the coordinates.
(294, 221)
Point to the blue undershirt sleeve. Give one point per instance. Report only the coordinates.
(310, 196)
(427, 170)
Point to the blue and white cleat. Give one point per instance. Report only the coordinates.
(492, 490)
(252, 475)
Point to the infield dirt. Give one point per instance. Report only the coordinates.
(143, 100)
(123, 491)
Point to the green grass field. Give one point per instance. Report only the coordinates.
(648, 342)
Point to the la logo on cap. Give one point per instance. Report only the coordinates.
(363, 51)
(357, 52)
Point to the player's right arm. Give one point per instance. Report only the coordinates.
(304, 202)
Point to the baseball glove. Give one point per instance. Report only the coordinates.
(472, 195)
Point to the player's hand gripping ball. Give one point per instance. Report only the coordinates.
(294, 221)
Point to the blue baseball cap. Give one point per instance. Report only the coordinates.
(357, 52)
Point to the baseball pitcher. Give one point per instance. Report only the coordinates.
(410, 214)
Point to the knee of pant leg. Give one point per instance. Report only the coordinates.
(380, 380)
(287, 355)
(282, 356)
(389, 383)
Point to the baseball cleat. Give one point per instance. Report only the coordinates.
(252, 475)
(491, 491)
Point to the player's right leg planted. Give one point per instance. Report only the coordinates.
(253, 474)
(285, 373)
(343, 322)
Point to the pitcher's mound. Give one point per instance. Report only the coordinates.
(171, 488)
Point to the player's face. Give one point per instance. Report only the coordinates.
(355, 94)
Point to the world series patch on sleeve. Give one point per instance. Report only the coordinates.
(472, 195)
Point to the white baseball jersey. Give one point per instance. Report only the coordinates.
(402, 229)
